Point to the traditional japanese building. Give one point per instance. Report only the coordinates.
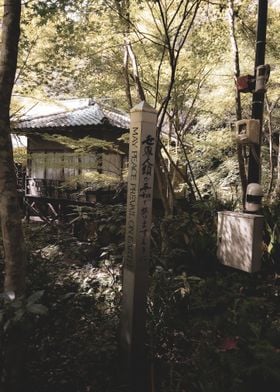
(74, 154)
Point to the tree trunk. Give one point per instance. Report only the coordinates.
(270, 143)
(277, 186)
(270, 107)
(126, 77)
(135, 75)
(161, 184)
(13, 241)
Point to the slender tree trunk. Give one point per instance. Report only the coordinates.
(123, 9)
(270, 143)
(277, 185)
(270, 108)
(238, 108)
(135, 70)
(126, 77)
(124, 17)
(160, 179)
(13, 241)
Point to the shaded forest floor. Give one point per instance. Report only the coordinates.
(210, 328)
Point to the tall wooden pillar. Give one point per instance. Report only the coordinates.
(142, 148)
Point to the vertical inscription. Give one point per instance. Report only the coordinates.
(131, 198)
(139, 196)
(145, 201)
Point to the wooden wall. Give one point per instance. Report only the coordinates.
(63, 165)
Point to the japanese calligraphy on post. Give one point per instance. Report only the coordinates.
(140, 190)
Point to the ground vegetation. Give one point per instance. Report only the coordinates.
(209, 328)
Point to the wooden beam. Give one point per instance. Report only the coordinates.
(137, 245)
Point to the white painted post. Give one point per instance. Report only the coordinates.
(142, 148)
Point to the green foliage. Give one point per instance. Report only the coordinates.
(84, 145)
(14, 310)
(210, 329)
(272, 227)
(49, 7)
(65, 60)
(188, 239)
(72, 345)
(92, 181)
(214, 333)
(105, 224)
(214, 163)
(20, 155)
(78, 50)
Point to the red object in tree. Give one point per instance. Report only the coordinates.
(245, 83)
(228, 344)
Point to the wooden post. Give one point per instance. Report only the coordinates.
(254, 164)
(142, 149)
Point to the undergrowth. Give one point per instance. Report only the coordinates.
(210, 328)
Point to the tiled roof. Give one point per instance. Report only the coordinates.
(94, 115)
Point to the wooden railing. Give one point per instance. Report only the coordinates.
(55, 189)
